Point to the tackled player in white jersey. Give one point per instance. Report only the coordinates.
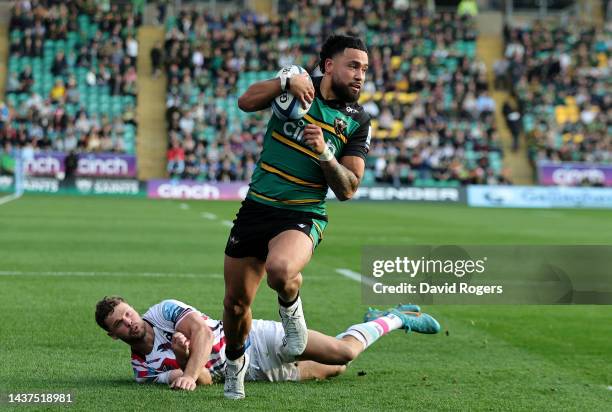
(175, 344)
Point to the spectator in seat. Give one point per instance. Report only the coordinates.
(176, 159)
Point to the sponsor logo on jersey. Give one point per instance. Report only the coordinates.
(294, 130)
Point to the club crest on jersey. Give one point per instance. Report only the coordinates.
(339, 126)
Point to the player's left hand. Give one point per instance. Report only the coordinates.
(186, 383)
(181, 341)
(313, 137)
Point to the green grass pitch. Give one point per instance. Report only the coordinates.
(59, 255)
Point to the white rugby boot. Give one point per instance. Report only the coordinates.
(234, 377)
(296, 333)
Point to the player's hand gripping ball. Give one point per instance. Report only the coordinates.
(294, 103)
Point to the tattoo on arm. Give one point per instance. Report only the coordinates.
(342, 181)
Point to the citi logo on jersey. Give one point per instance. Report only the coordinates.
(294, 130)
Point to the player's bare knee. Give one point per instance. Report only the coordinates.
(278, 267)
(236, 307)
(278, 273)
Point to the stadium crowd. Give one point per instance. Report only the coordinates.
(72, 79)
(559, 77)
(433, 117)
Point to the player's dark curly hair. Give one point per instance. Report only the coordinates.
(105, 307)
(335, 44)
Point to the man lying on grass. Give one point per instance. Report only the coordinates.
(175, 344)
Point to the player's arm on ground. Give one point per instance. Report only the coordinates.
(200, 344)
(342, 176)
(259, 95)
(204, 379)
(180, 346)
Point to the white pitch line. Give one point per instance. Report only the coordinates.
(610, 388)
(119, 274)
(9, 198)
(209, 216)
(184, 206)
(357, 277)
(227, 223)
(126, 274)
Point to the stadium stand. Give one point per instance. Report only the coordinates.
(72, 77)
(433, 120)
(560, 78)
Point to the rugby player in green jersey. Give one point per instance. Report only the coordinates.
(283, 217)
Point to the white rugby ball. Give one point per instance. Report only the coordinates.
(286, 106)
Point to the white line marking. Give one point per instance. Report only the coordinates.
(9, 198)
(610, 388)
(227, 223)
(126, 274)
(357, 277)
(119, 274)
(209, 216)
(184, 206)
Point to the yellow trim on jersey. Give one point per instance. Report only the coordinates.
(287, 176)
(293, 144)
(289, 202)
(316, 225)
(325, 126)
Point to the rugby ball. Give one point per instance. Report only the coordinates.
(286, 106)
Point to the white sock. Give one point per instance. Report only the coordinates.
(367, 333)
(291, 309)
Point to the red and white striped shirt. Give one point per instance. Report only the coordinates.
(164, 318)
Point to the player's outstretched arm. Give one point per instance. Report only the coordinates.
(200, 337)
(180, 347)
(204, 379)
(259, 95)
(342, 176)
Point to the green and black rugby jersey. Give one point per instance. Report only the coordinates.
(288, 174)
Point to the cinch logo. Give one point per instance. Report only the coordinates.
(103, 167)
(169, 191)
(571, 177)
(46, 165)
(294, 130)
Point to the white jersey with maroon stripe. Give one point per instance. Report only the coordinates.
(164, 318)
